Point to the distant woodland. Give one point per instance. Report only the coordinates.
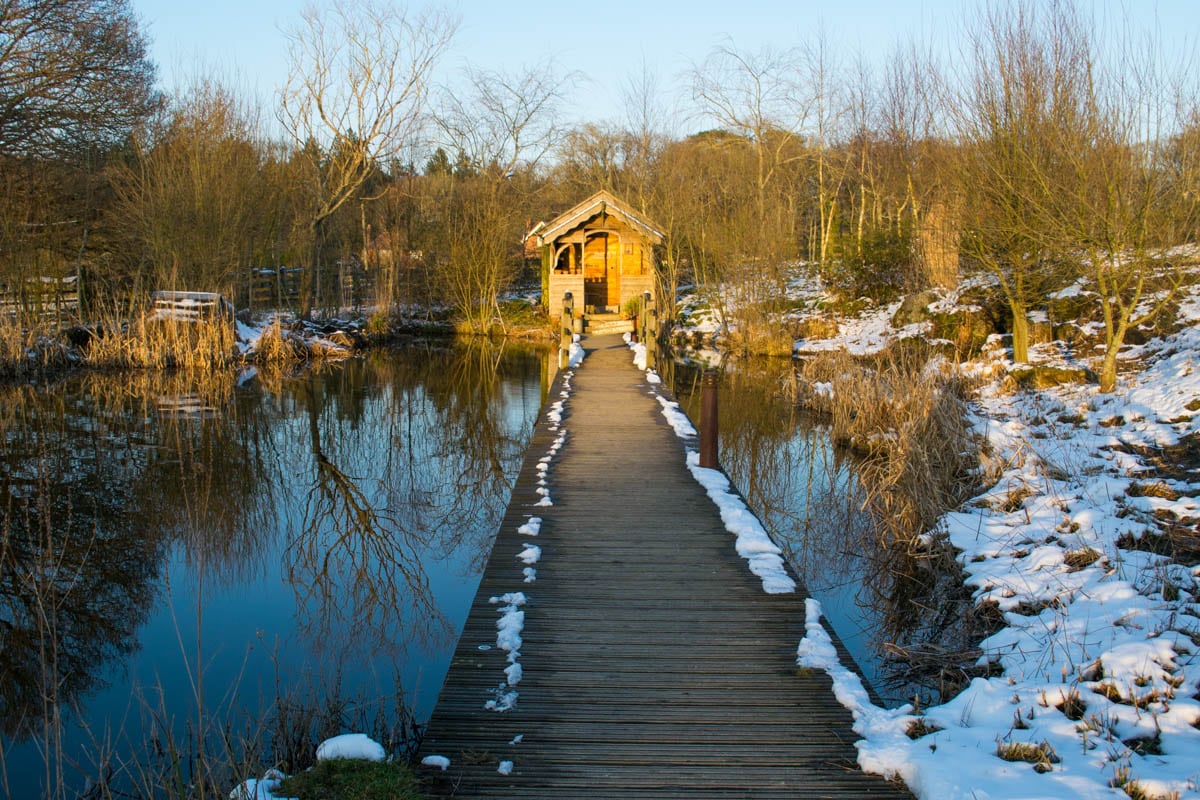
(1036, 155)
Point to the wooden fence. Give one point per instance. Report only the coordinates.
(347, 286)
(41, 298)
(190, 307)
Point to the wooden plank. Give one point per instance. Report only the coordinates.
(653, 664)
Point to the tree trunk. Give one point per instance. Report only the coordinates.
(1020, 333)
(1108, 371)
(1112, 346)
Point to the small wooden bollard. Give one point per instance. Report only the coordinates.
(708, 419)
(649, 323)
(567, 334)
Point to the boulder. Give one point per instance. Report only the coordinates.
(914, 308)
(967, 329)
(1044, 376)
(1041, 330)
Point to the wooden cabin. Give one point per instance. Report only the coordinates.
(601, 250)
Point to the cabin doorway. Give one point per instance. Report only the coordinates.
(602, 272)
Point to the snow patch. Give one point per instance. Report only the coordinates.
(508, 638)
(438, 762)
(351, 745)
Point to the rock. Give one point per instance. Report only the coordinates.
(1079, 308)
(80, 336)
(1043, 376)
(914, 308)
(967, 329)
(1041, 331)
(1075, 337)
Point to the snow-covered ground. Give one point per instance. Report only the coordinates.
(1097, 692)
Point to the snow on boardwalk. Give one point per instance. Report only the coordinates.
(619, 647)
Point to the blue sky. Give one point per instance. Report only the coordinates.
(242, 40)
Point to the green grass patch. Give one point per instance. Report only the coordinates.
(353, 779)
(522, 313)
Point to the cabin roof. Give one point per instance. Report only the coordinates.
(602, 202)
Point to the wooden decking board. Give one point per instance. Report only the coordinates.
(654, 664)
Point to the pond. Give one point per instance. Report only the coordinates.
(190, 565)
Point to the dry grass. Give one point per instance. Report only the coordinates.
(162, 345)
(124, 337)
(28, 349)
(282, 344)
(908, 420)
(1041, 755)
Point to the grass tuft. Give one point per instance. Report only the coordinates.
(1041, 755)
(353, 779)
(1072, 705)
(921, 727)
(1080, 559)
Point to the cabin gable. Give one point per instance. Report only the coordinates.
(601, 251)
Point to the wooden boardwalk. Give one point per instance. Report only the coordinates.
(654, 665)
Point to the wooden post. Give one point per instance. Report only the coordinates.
(643, 307)
(649, 332)
(708, 419)
(567, 334)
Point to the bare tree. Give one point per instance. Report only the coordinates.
(355, 96)
(756, 101)
(501, 126)
(1029, 76)
(754, 96)
(648, 119)
(194, 201)
(72, 72)
(593, 158)
(1120, 205)
(920, 200)
(828, 108)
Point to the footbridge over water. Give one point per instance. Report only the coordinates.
(619, 646)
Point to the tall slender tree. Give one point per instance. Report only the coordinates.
(355, 97)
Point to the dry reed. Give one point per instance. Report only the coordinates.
(162, 344)
(908, 420)
(29, 349)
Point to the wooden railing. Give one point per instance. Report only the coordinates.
(190, 307)
(41, 298)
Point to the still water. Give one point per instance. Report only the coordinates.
(190, 563)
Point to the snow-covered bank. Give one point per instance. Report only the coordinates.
(1094, 657)
(348, 745)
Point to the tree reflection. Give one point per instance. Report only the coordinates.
(76, 580)
(99, 484)
(435, 480)
(352, 476)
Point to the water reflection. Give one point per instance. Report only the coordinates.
(205, 545)
(810, 496)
